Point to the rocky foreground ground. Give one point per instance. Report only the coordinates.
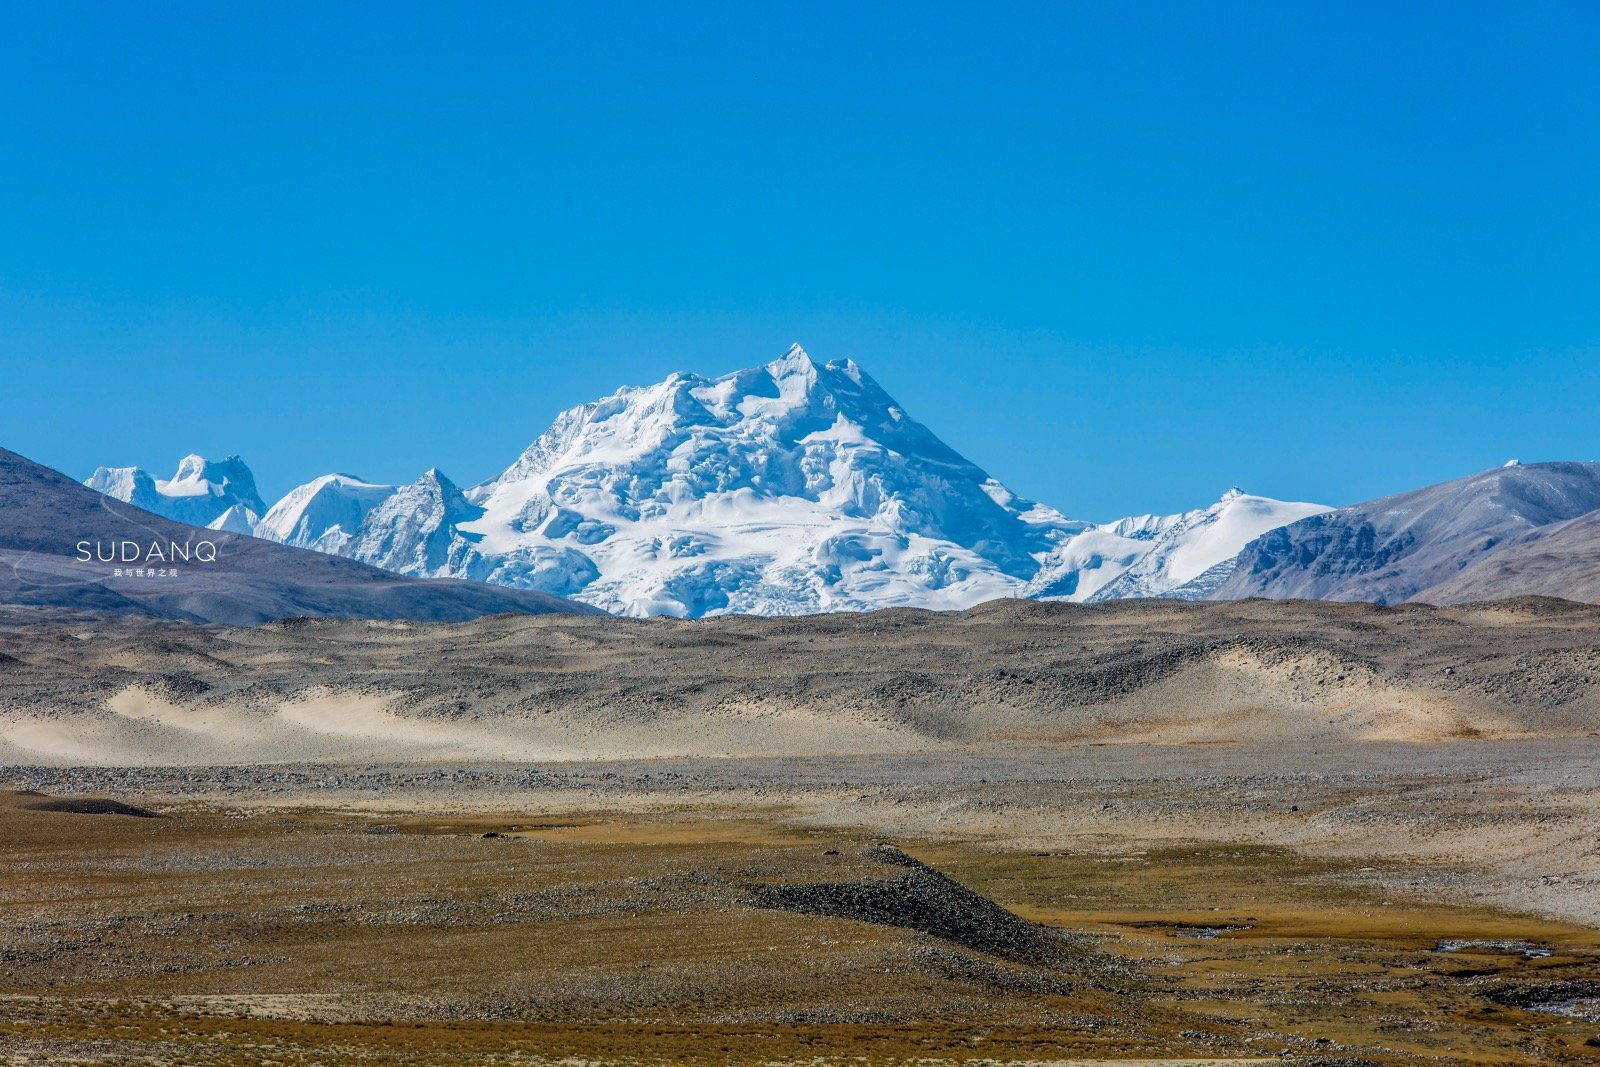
(1026, 834)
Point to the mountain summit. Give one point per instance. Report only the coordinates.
(799, 486)
(218, 494)
(786, 488)
(792, 487)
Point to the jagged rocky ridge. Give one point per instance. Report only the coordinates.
(789, 488)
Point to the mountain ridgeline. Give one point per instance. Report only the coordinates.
(790, 488)
(800, 487)
(1474, 538)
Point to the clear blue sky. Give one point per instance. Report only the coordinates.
(1121, 255)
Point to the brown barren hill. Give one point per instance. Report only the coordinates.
(1562, 560)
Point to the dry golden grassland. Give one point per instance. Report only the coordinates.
(711, 935)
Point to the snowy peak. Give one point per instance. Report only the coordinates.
(414, 530)
(237, 519)
(407, 528)
(248, 582)
(1191, 547)
(131, 485)
(1160, 555)
(796, 355)
(227, 479)
(792, 486)
(220, 494)
(790, 429)
(324, 513)
(794, 365)
(785, 487)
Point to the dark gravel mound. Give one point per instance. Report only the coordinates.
(1546, 994)
(93, 806)
(924, 900)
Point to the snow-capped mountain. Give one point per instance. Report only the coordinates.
(323, 514)
(50, 520)
(789, 488)
(1189, 555)
(800, 487)
(416, 530)
(1180, 556)
(219, 494)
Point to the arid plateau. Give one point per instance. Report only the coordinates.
(1137, 832)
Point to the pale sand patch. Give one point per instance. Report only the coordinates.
(27, 738)
(368, 719)
(140, 704)
(211, 727)
(323, 724)
(1237, 696)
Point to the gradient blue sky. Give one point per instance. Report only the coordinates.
(1121, 255)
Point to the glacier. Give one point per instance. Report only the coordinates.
(324, 514)
(790, 488)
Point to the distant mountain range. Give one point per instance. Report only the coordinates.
(788, 488)
(67, 548)
(799, 487)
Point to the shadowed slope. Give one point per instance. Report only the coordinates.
(1560, 560)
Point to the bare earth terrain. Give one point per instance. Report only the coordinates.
(1230, 833)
